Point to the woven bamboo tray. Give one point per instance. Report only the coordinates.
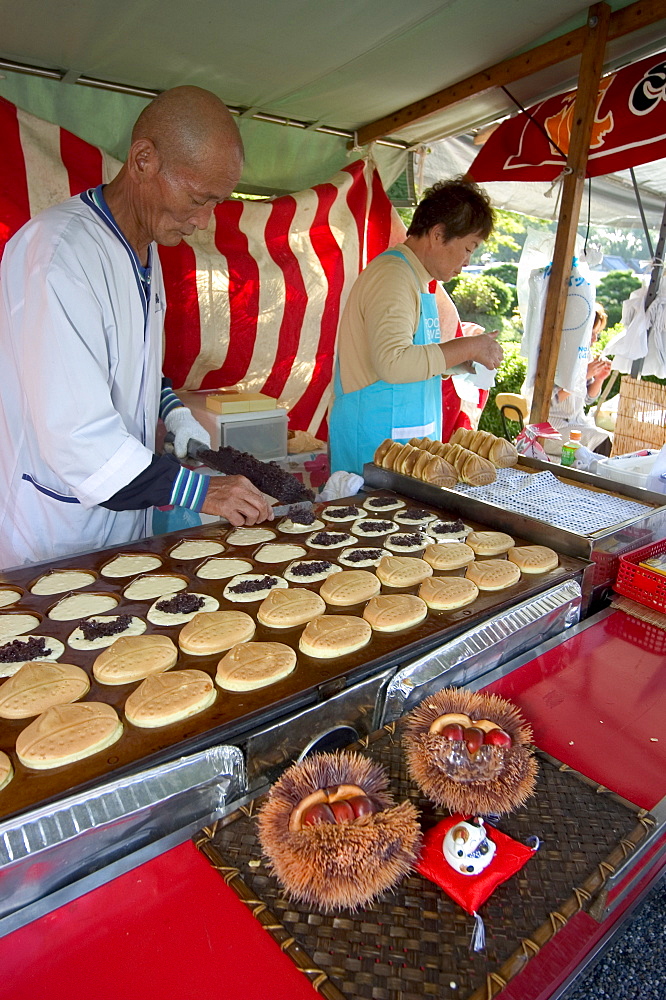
(414, 943)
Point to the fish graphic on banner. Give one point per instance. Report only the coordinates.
(629, 129)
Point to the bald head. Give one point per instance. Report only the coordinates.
(189, 126)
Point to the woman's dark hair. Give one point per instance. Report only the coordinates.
(460, 205)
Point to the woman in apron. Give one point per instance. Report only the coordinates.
(390, 360)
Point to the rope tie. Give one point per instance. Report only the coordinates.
(582, 896)
(287, 943)
(492, 980)
(564, 767)
(256, 906)
(600, 789)
(627, 847)
(319, 980)
(529, 945)
(556, 919)
(605, 870)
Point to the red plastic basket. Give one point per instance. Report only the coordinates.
(640, 584)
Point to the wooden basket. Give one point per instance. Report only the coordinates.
(641, 416)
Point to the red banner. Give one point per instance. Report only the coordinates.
(629, 128)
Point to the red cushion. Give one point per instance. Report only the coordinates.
(470, 891)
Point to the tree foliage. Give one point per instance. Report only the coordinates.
(480, 295)
(614, 289)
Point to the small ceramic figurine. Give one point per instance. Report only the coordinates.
(467, 848)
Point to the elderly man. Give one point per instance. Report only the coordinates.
(81, 321)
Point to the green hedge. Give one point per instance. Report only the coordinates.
(510, 377)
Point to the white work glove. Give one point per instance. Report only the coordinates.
(184, 428)
(341, 484)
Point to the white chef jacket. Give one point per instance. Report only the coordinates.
(80, 375)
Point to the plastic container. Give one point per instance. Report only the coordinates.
(570, 447)
(633, 469)
(641, 584)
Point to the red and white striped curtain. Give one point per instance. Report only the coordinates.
(253, 301)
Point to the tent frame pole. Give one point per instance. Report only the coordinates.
(585, 107)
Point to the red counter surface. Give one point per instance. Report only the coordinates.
(173, 930)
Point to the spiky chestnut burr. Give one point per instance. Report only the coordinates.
(333, 866)
(492, 780)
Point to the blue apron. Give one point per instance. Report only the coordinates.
(361, 420)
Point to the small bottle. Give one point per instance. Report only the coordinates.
(570, 447)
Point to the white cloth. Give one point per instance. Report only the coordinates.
(79, 385)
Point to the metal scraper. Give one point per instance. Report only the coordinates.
(194, 450)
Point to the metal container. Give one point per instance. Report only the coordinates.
(475, 653)
(603, 547)
(54, 853)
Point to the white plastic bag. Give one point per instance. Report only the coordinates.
(533, 276)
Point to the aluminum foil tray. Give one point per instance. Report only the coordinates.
(233, 714)
(53, 846)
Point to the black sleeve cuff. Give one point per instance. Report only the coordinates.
(151, 488)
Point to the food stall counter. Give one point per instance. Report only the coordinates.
(193, 933)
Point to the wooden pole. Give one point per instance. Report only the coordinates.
(592, 60)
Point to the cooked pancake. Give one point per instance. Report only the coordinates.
(38, 686)
(17, 624)
(449, 555)
(493, 574)
(329, 636)
(382, 505)
(193, 548)
(288, 608)
(9, 597)
(381, 451)
(163, 699)
(393, 612)
(250, 536)
(490, 543)
(130, 565)
(149, 588)
(214, 631)
(66, 733)
(362, 557)
(180, 608)
(373, 527)
(403, 571)
(82, 606)
(329, 540)
(254, 665)
(16, 650)
(310, 570)
(444, 593)
(408, 541)
(349, 587)
(133, 658)
(60, 581)
(251, 587)
(6, 770)
(101, 631)
(278, 552)
(439, 472)
(533, 558)
(223, 568)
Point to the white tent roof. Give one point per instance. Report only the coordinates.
(336, 65)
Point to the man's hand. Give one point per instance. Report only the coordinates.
(235, 498)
